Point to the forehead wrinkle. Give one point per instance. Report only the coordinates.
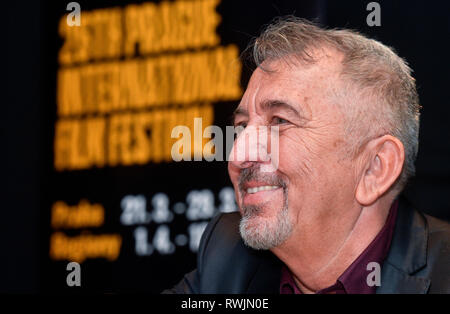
(255, 94)
(295, 82)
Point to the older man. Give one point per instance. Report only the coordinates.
(328, 218)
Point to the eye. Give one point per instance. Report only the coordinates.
(238, 128)
(278, 120)
(242, 124)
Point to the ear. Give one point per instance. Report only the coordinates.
(383, 165)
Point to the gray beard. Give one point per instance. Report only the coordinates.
(263, 233)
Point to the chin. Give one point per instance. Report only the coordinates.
(265, 232)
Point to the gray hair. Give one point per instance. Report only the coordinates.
(370, 69)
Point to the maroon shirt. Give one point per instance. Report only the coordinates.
(354, 278)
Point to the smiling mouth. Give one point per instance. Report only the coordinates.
(261, 188)
(260, 194)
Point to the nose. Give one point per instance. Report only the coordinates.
(250, 147)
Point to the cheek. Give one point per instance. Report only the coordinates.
(314, 169)
(233, 173)
(309, 181)
(297, 159)
(310, 167)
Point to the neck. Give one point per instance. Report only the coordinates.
(319, 261)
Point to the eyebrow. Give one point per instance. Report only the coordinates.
(238, 111)
(279, 104)
(269, 104)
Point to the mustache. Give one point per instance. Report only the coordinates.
(255, 174)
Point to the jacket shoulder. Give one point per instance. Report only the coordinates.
(215, 243)
(419, 255)
(438, 254)
(438, 238)
(222, 231)
(436, 225)
(227, 265)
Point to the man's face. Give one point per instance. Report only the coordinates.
(313, 179)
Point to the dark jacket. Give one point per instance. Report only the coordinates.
(418, 260)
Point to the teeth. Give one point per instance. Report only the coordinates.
(262, 188)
